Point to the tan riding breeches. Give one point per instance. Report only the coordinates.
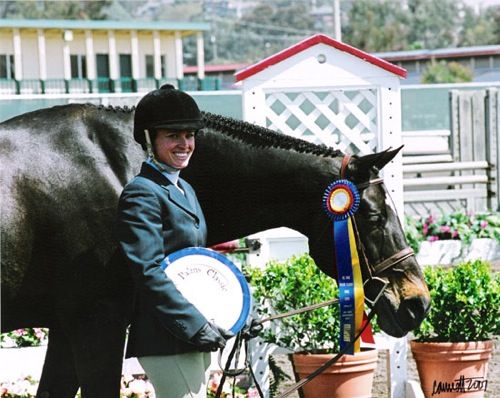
(178, 376)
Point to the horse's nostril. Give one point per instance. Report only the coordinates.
(412, 311)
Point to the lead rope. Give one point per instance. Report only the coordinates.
(328, 363)
(240, 339)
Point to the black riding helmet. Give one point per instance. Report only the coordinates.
(168, 108)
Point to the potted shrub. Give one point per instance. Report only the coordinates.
(312, 336)
(453, 344)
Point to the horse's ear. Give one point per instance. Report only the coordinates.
(365, 163)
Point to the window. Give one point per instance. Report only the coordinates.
(482, 62)
(164, 66)
(7, 66)
(78, 66)
(102, 63)
(150, 66)
(104, 84)
(410, 66)
(125, 65)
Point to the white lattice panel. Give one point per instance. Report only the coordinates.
(343, 119)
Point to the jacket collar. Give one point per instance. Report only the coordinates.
(185, 201)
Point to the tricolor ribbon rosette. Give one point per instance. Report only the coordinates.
(340, 201)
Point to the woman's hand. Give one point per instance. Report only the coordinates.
(211, 337)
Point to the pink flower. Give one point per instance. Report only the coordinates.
(483, 224)
(19, 332)
(445, 228)
(454, 234)
(433, 238)
(425, 229)
(214, 381)
(253, 393)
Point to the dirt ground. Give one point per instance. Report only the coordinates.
(380, 389)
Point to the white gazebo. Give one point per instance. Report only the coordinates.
(326, 91)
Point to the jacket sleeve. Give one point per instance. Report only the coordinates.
(140, 235)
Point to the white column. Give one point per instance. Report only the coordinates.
(254, 103)
(390, 136)
(89, 55)
(200, 55)
(157, 54)
(336, 11)
(113, 56)
(42, 56)
(134, 47)
(66, 60)
(18, 59)
(179, 61)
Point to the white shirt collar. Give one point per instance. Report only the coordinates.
(172, 176)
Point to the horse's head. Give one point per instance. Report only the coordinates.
(384, 252)
(385, 257)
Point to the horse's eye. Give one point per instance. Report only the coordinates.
(375, 218)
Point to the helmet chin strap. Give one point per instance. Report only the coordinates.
(151, 155)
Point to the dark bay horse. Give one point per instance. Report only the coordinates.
(62, 170)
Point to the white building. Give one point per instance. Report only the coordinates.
(57, 56)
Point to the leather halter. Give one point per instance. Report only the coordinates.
(375, 285)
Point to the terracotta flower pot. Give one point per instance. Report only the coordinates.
(350, 377)
(455, 370)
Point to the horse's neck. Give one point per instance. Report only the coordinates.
(249, 189)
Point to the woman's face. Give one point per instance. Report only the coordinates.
(174, 147)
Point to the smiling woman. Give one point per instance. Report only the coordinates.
(159, 214)
(174, 148)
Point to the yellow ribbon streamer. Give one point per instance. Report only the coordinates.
(359, 295)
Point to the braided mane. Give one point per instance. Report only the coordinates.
(251, 133)
(114, 108)
(263, 137)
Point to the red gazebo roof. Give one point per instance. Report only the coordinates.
(311, 41)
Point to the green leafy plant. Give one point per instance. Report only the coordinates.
(446, 72)
(297, 283)
(465, 303)
(458, 225)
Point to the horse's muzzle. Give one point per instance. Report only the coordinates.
(397, 322)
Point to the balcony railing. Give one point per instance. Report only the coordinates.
(104, 85)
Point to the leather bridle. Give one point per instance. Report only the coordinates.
(375, 284)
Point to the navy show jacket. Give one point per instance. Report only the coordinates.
(155, 219)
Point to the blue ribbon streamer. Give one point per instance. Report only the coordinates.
(345, 282)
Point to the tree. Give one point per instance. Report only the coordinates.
(434, 23)
(443, 72)
(376, 26)
(270, 27)
(495, 16)
(49, 9)
(478, 28)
